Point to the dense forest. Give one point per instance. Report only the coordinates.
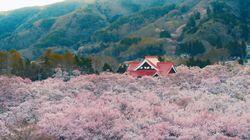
(45, 66)
(12, 63)
(124, 30)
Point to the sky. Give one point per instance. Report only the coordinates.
(6, 5)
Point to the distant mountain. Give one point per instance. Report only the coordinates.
(129, 29)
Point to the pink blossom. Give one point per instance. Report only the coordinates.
(209, 103)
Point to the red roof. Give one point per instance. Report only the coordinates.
(133, 65)
(162, 68)
(165, 67)
(142, 73)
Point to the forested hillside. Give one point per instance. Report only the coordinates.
(129, 29)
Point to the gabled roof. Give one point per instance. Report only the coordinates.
(152, 59)
(160, 68)
(143, 72)
(165, 67)
(146, 61)
(133, 65)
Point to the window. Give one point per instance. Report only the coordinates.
(146, 66)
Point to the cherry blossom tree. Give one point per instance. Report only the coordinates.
(194, 103)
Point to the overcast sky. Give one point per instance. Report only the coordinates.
(6, 5)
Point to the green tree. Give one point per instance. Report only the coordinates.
(122, 68)
(197, 15)
(192, 62)
(191, 22)
(84, 64)
(32, 70)
(107, 67)
(245, 31)
(3, 62)
(49, 61)
(237, 49)
(184, 9)
(68, 61)
(16, 63)
(209, 12)
(192, 48)
(161, 59)
(165, 34)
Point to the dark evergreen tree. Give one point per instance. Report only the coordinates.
(192, 48)
(197, 15)
(122, 68)
(191, 22)
(209, 12)
(84, 64)
(16, 63)
(161, 59)
(237, 49)
(107, 68)
(3, 62)
(192, 62)
(165, 34)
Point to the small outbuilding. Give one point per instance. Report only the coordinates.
(150, 66)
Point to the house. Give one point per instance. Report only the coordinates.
(150, 66)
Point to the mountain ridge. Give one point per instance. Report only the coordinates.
(99, 27)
